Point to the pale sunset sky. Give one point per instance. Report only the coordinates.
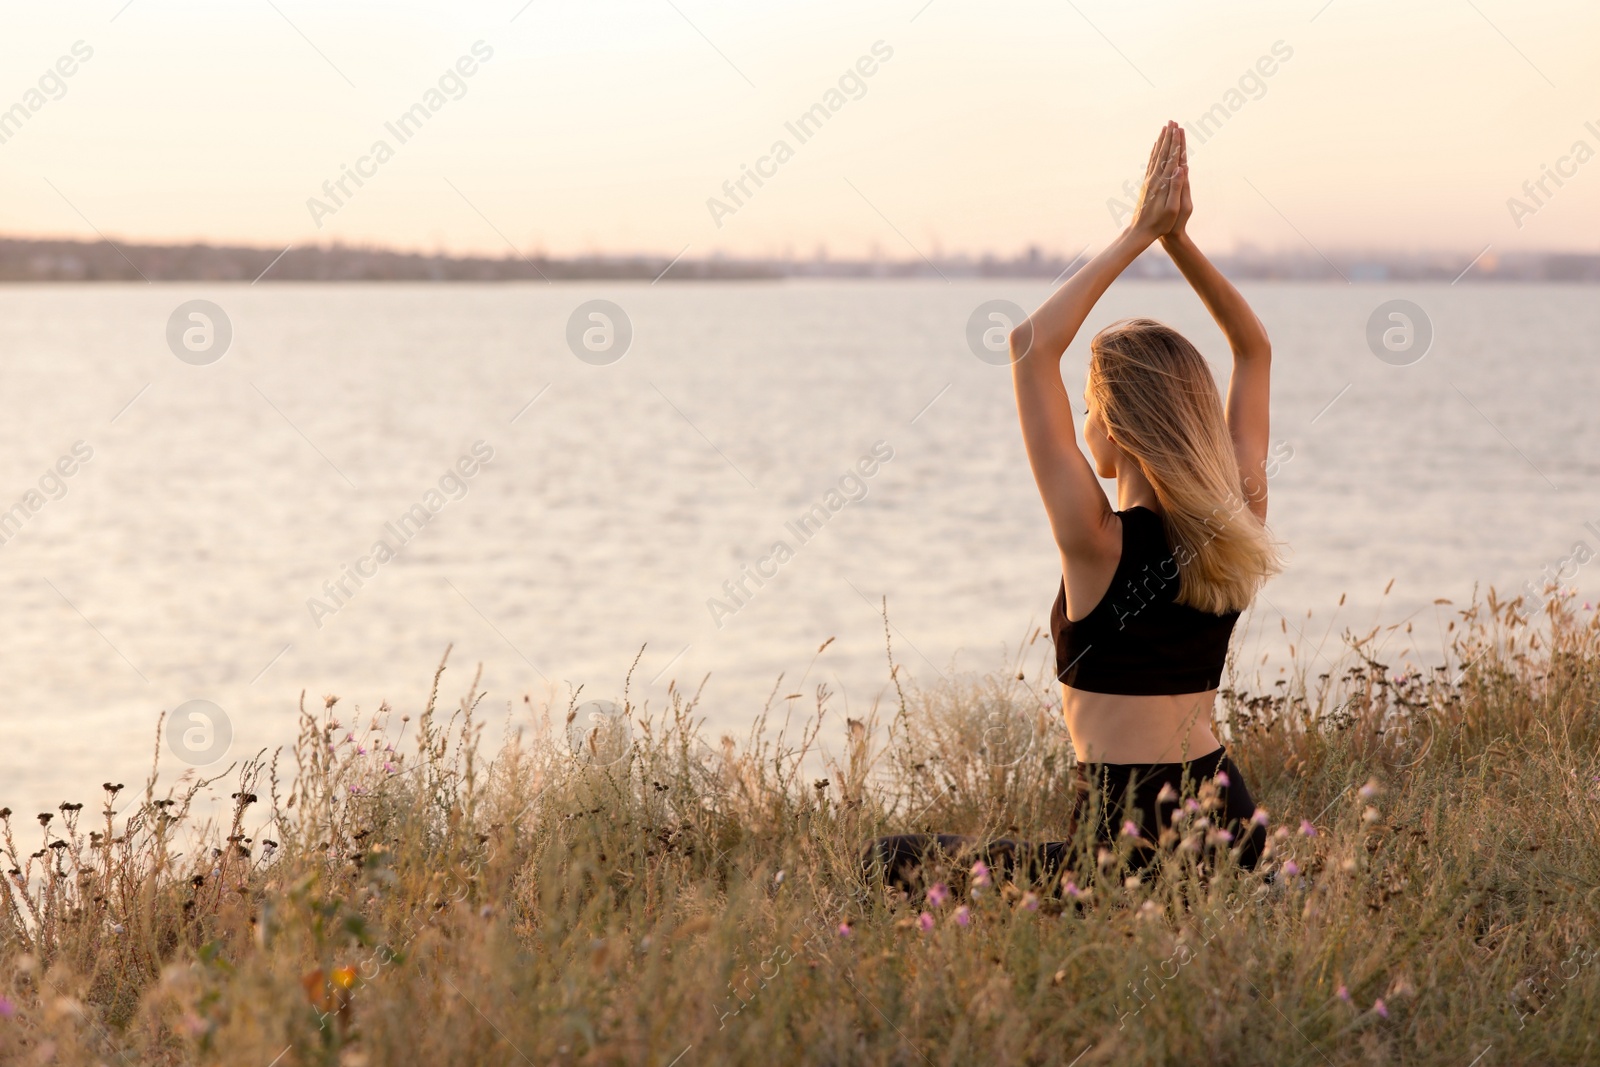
(982, 127)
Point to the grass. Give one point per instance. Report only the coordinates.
(665, 898)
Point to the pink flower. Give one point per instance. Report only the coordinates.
(1130, 828)
(1030, 901)
(938, 894)
(925, 922)
(980, 874)
(1291, 868)
(1071, 889)
(387, 766)
(963, 915)
(1380, 1007)
(361, 750)
(1167, 794)
(1191, 805)
(1221, 778)
(7, 1009)
(1343, 993)
(1307, 829)
(844, 929)
(1260, 817)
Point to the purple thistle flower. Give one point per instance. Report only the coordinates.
(980, 874)
(1307, 829)
(1343, 993)
(844, 929)
(1259, 818)
(938, 894)
(1071, 889)
(963, 915)
(1380, 1007)
(1291, 868)
(7, 1008)
(1130, 828)
(1221, 778)
(925, 922)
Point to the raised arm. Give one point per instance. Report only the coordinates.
(1080, 516)
(1249, 385)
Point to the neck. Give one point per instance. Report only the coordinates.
(1134, 489)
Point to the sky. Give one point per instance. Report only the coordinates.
(951, 126)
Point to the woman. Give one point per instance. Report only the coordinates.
(1150, 591)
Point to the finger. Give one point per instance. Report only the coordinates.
(1158, 153)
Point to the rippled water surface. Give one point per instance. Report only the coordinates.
(178, 562)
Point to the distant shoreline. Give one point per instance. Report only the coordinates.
(67, 261)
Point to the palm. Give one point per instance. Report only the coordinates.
(1161, 201)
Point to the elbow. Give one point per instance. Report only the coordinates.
(1255, 352)
(1020, 339)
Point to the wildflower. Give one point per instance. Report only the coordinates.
(938, 894)
(1371, 789)
(925, 922)
(1167, 794)
(1259, 818)
(1191, 805)
(1105, 858)
(1030, 901)
(361, 750)
(1380, 1007)
(1221, 778)
(1370, 815)
(1148, 910)
(1280, 833)
(844, 929)
(777, 879)
(1307, 829)
(356, 789)
(980, 874)
(1071, 889)
(1291, 868)
(1131, 882)
(388, 767)
(963, 915)
(1343, 993)
(1219, 837)
(1130, 829)
(118, 928)
(7, 1008)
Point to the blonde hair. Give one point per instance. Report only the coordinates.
(1159, 402)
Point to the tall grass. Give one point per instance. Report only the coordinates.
(387, 893)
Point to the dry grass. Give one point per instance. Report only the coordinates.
(695, 903)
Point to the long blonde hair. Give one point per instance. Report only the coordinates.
(1159, 402)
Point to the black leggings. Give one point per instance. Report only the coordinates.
(1106, 796)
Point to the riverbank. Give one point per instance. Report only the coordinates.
(387, 893)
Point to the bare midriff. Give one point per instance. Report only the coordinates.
(1116, 728)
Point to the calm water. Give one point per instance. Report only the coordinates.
(177, 562)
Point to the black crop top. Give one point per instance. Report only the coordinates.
(1138, 641)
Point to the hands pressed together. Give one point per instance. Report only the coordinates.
(1165, 202)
